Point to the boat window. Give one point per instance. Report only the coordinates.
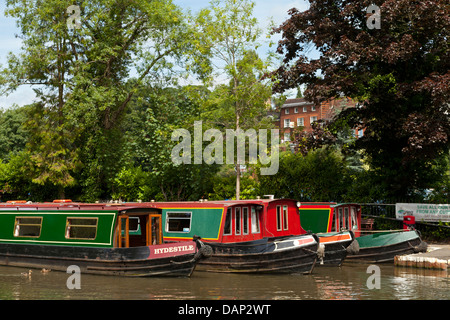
(346, 218)
(227, 227)
(81, 228)
(285, 217)
(28, 227)
(237, 220)
(178, 221)
(279, 218)
(134, 224)
(245, 220)
(333, 223)
(354, 219)
(255, 221)
(341, 220)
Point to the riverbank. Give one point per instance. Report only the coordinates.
(436, 257)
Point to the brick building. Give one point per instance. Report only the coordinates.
(302, 113)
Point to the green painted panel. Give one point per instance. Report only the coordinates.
(204, 222)
(53, 229)
(314, 219)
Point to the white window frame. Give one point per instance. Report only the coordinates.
(255, 220)
(285, 217)
(245, 228)
(182, 218)
(228, 215)
(237, 220)
(279, 217)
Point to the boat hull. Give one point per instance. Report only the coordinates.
(383, 247)
(145, 261)
(296, 254)
(335, 246)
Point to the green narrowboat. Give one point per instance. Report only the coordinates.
(98, 238)
(372, 246)
(246, 236)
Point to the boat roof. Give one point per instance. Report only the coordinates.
(68, 205)
(330, 204)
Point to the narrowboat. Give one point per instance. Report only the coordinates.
(98, 238)
(383, 246)
(246, 236)
(372, 246)
(336, 241)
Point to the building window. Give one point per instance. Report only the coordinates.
(360, 133)
(237, 221)
(300, 122)
(28, 227)
(81, 228)
(286, 111)
(287, 136)
(313, 108)
(286, 123)
(178, 221)
(255, 221)
(305, 109)
(313, 119)
(227, 227)
(295, 110)
(245, 220)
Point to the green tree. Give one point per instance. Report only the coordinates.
(155, 113)
(13, 135)
(320, 175)
(229, 36)
(85, 78)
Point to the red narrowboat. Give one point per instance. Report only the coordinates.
(246, 236)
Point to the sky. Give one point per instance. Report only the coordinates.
(264, 11)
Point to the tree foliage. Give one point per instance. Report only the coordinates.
(229, 36)
(399, 74)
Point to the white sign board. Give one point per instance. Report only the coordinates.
(423, 211)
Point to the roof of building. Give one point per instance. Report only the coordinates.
(296, 102)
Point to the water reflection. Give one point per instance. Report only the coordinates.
(411, 283)
(344, 283)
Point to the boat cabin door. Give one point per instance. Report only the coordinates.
(134, 230)
(154, 229)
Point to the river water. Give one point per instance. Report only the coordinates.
(348, 282)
